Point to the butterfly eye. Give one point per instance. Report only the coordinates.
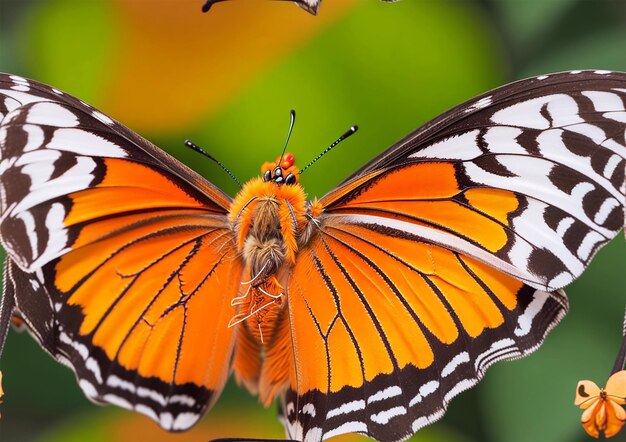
(278, 172)
(290, 179)
(267, 176)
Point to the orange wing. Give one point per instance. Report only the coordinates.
(448, 252)
(121, 260)
(389, 328)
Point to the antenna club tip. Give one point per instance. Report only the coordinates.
(354, 128)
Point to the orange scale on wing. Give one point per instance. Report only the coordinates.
(102, 228)
(503, 286)
(409, 257)
(361, 324)
(468, 299)
(444, 215)
(129, 186)
(496, 203)
(133, 305)
(160, 353)
(205, 348)
(397, 323)
(422, 181)
(139, 248)
(344, 362)
(130, 353)
(307, 336)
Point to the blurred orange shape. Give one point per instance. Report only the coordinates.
(603, 411)
(202, 60)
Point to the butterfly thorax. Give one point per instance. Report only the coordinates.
(269, 219)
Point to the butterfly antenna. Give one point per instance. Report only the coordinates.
(191, 145)
(348, 133)
(292, 121)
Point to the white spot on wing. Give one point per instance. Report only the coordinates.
(348, 407)
(154, 395)
(101, 117)
(82, 350)
(588, 244)
(503, 139)
(93, 367)
(525, 320)
(387, 393)
(116, 400)
(604, 101)
(147, 411)
(51, 114)
(451, 366)
(88, 388)
(462, 147)
(385, 416)
(309, 409)
(84, 143)
(347, 427)
(425, 390)
(166, 420)
(182, 399)
(561, 107)
(427, 420)
(465, 384)
(605, 210)
(184, 421)
(34, 135)
(116, 382)
(20, 87)
(58, 238)
(498, 349)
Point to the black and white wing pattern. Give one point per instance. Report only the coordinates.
(117, 256)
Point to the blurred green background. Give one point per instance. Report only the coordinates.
(227, 80)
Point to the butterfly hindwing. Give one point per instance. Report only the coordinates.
(121, 259)
(401, 326)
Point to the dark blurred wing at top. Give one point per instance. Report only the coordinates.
(118, 255)
(311, 6)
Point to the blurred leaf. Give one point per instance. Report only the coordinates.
(387, 69)
(71, 43)
(180, 65)
(604, 50)
(526, 20)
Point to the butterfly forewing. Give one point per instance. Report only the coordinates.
(86, 205)
(531, 173)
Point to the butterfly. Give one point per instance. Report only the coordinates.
(310, 6)
(364, 311)
(603, 411)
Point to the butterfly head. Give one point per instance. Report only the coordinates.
(281, 171)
